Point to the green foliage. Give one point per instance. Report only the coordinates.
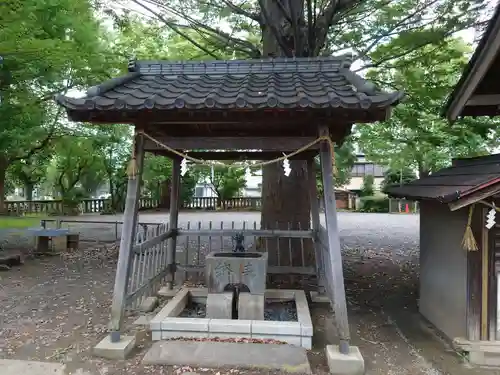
(416, 136)
(368, 189)
(157, 169)
(374, 204)
(188, 184)
(47, 48)
(227, 182)
(396, 177)
(345, 156)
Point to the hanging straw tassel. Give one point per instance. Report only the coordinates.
(469, 242)
(132, 165)
(332, 149)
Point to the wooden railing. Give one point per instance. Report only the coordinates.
(54, 207)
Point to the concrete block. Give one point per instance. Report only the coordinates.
(167, 335)
(60, 243)
(198, 292)
(268, 358)
(306, 329)
(220, 305)
(115, 350)
(249, 268)
(173, 308)
(275, 328)
(229, 335)
(303, 314)
(345, 364)
(484, 358)
(156, 335)
(169, 293)
(185, 324)
(230, 326)
(251, 306)
(280, 294)
(148, 304)
(289, 339)
(319, 297)
(306, 342)
(143, 320)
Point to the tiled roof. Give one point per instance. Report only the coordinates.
(247, 84)
(464, 177)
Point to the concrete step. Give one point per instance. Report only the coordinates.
(16, 367)
(210, 354)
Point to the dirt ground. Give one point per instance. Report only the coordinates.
(56, 309)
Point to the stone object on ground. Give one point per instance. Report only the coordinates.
(267, 357)
(115, 350)
(220, 305)
(345, 364)
(16, 367)
(236, 269)
(148, 304)
(9, 259)
(251, 306)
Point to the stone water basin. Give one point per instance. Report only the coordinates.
(176, 320)
(247, 270)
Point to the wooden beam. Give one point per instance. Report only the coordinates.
(129, 230)
(478, 100)
(230, 143)
(174, 219)
(336, 278)
(484, 276)
(475, 197)
(240, 155)
(247, 232)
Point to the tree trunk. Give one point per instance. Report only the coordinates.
(285, 200)
(3, 172)
(28, 190)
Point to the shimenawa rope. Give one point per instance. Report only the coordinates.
(132, 170)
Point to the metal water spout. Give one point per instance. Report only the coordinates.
(239, 248)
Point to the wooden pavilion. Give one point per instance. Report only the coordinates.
(275, 105)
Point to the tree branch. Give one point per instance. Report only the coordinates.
(236, 9)
(176, 30)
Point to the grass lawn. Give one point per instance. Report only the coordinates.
(19, 222)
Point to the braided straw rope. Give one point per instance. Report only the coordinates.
(132, 170)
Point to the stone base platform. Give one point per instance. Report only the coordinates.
(206, 354)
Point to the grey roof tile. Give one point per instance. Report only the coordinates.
(450, 184)
(286, 83)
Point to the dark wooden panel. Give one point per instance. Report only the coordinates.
(474, 282)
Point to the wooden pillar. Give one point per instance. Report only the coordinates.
(336, 278)
(174, 219)
(129, 231)
(313, 196)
